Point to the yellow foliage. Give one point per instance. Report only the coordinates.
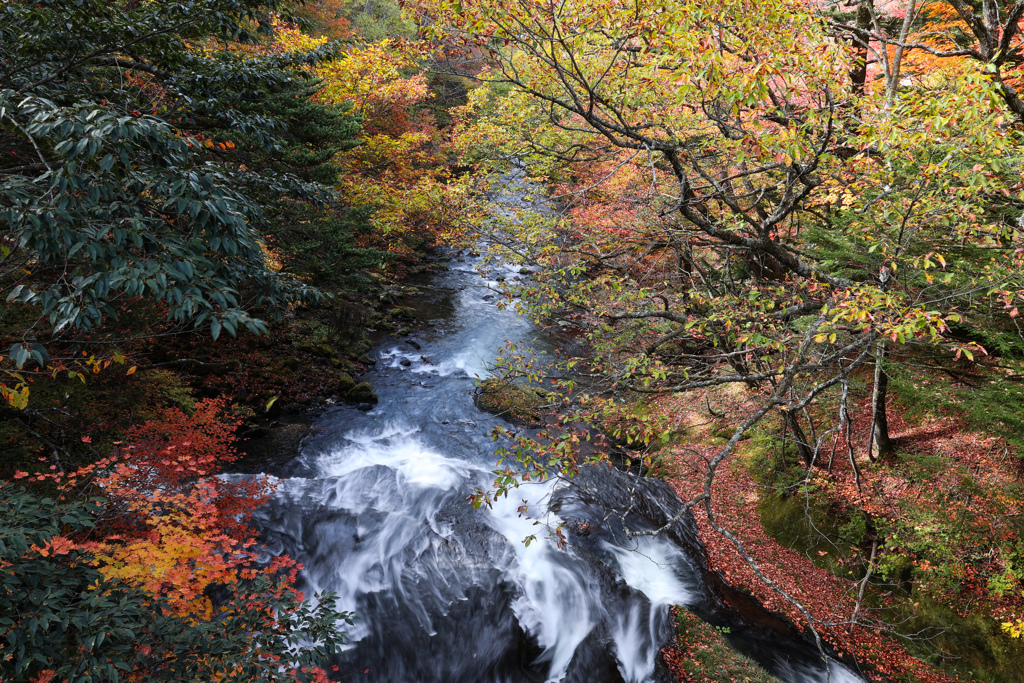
(370, 79)
(180, 555)
(1014, 628)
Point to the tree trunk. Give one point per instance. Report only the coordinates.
(803, 448)
(859, 72)
(879, 444)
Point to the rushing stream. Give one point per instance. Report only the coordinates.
(375, 507)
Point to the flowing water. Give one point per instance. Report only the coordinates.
(375, 507)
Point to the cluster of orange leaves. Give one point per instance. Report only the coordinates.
(170, 525)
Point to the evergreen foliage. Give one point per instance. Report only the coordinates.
(141, 152)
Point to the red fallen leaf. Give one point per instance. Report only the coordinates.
(86, 439)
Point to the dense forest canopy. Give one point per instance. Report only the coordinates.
(789, 259)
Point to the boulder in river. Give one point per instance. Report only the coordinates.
(515, 403)
(361, 393)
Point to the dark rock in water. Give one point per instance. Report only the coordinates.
(414, 344)
(403, 312)
(488, 297)
(405, 362)
(365, 407)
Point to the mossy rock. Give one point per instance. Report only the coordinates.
(361, 393)
(406, 312)
(515, 403)
(317, 349)
(345, 383)
(292, 363)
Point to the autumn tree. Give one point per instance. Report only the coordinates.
(65, 619)
(399, 170)
(160, 578)
(739, 215)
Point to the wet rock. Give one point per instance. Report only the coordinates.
(524, 271)
(366, 360)
(405, 312)
(414, 344)
(405, 362)
(361, 393)
(365, 407)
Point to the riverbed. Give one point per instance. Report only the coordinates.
(375, 506)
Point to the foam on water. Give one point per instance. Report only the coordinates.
(556, 606)
(413, 462)
(649, 565)
(635, 649)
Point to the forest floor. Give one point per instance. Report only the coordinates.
(825, 576)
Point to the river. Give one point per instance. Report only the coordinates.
(375, 508)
